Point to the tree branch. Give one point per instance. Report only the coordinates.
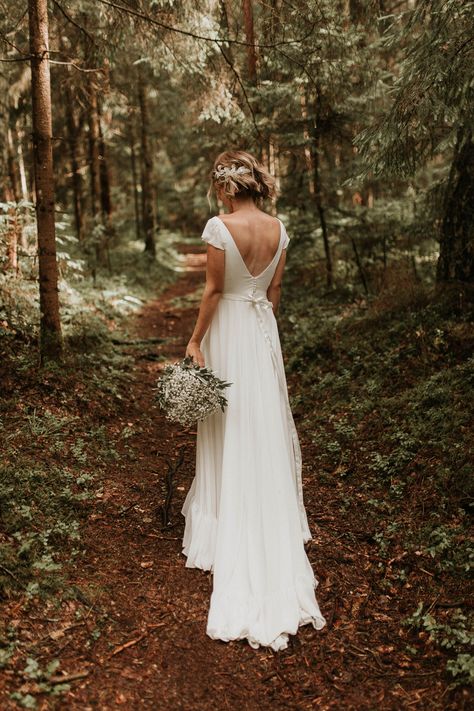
(25, 58)
(76, 66)
(241, 84)
(73, 22)
(4, 38)
(214, 40)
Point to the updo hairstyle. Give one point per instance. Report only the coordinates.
(239, 174)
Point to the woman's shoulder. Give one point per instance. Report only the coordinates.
(213, 234)
(247, 219)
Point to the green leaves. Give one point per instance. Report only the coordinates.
(455, 633)
(432, 95)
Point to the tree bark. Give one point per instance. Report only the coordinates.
(308, 155)
(13, 231)
(456, 255)
(95, 177)
(274, 9)
(73, 135)
(50, 324)
(13, 167)
(148, 212)
(274, 165)
(94, 169)
(312, 130)
(12, 194)
(19, 134)
(359, 265)
(133, 159)
(105, 198)
(250, 39)
(21, 165)
(225, 16)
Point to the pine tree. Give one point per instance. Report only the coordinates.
(50, 324)
(431, 115)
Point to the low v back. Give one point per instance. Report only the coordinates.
(237, 278)
(260, 272)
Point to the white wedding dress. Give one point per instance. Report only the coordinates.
(244, 511)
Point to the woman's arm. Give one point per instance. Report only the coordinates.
(210, 299)
(274, 290)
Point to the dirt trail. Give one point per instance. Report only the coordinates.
(143, 644)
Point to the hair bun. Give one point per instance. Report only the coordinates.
(240, 174)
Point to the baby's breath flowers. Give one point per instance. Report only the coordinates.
(188, 393)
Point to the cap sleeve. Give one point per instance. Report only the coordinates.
(213, 234)
(285, 237)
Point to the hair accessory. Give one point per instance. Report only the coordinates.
(223, 171)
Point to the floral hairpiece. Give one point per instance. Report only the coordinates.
(223, 171)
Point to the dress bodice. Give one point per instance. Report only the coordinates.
(237, 278)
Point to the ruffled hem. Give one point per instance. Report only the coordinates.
(267, 621)
(199, 540)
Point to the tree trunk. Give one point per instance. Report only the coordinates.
(13, 231)
(250, 39)
(133, 159)
(94, 155)
(308, 155)
(225, 16)
(359, 265)
(19, 134)
(73, 135)
(148, 213)
(315, 183)
(50, 324)
(274, 8)
(95, 180)
(13, 195)
(456, 255)
(105, 199)
(13, 167)
(274, 166)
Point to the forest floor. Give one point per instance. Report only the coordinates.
(134, 638)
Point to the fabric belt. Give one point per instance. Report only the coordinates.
(260, 304)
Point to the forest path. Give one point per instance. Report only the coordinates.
(147, 648)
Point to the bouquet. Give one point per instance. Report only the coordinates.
(188, 393)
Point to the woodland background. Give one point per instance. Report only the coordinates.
(112, 113)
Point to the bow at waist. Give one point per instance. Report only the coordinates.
(249, 298)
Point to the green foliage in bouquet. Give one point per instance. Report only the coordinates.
(188, 392)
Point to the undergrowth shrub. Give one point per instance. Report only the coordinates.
(383, 387)
(455, 633)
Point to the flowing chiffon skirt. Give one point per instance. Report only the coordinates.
(244, 521)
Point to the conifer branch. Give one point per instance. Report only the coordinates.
(214, 40)
(241, 84)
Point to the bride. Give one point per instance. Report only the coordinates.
(244, 514)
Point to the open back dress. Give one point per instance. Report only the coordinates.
(245, 518)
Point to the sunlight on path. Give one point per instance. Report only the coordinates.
(181, 253)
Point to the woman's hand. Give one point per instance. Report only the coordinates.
(194, 352)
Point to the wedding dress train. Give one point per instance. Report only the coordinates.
(244, 514)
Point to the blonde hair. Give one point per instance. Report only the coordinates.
(240, 174)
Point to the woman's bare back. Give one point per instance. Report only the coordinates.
(256, 236)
